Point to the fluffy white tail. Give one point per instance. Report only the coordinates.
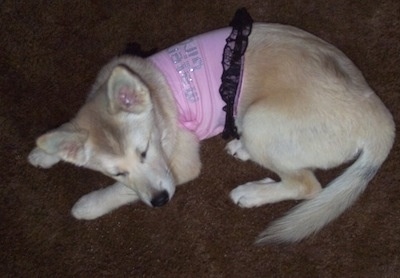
(312, 215)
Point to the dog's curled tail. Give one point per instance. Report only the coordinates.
(312, 215)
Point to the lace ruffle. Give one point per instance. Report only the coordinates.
(232, 63)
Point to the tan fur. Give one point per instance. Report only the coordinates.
(304, 105)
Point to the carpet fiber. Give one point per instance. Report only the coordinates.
(50, 52)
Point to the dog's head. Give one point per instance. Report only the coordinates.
(117, 133)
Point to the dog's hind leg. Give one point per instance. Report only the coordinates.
(103, 201)
(294, 186)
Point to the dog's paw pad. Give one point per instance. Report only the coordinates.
(266, 181)
(235, 148)
(251, 194)
(87, 208)
(244, 196)
(39, 158)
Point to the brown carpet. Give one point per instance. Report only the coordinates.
(50, 52)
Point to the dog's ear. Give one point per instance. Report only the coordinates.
(68, 145)
(127, 92)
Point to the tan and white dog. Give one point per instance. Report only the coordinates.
(303, 105)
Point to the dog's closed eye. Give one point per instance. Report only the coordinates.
(120, 174)
(143, 156)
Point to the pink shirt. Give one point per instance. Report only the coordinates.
(193, 71)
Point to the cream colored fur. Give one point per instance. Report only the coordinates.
(304, 106)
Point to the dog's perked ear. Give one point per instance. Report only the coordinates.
(127, 92)
(68, 145)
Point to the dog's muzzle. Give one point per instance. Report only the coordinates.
(161, 199)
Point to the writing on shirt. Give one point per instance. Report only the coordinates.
(187, 59)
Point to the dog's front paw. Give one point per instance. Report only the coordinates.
(235, 148)
(249, 195)
(88, 207)
(39, 158)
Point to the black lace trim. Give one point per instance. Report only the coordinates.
(232, 63)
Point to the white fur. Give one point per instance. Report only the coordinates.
(235, 148)
(39, 158)
(102, 201)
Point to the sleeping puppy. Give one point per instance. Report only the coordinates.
(302, 105)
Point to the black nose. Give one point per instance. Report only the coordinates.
(161, 199)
